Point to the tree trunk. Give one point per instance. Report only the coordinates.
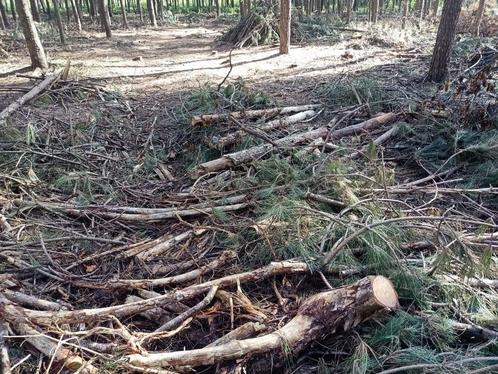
(435, 7)
(104, 18)
(152, 13)
(34, 10)
(49, 13)
(13, 10)
(58, 21)
(77, 13)
(139, 10)
(480, 13)
(35, 48)
(123, 13)
(405, 13)
(3, 12)
(444, 40)
(2, 25)
(374, 11)
(217, 4)
(285, 26)
(349, 8)
(68, 13)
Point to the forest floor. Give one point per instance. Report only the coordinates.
(105, 181)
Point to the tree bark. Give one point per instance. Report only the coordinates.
(152, 13)
(479, 15)
(435, 7)
(217, 3)
(285, 26)
(318, 316)
(123, 14)
(34, 10)
(35, 48)
(104, 18)
(139, 10)
(58, 20)
(349, 8)
(444, 40)
(77, 13)
(13, 10)
(374, 11)
(405, 14)
(3, 13)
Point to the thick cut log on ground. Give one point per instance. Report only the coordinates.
(34, 92)
(207, 119)
(320, 315)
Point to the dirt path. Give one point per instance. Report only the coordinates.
(181, 57)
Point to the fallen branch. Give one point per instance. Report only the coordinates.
(237, 158)
(159, 282)
(236, 137)
(124, 310)
(320, 315)
(207, 119)
(34, 92)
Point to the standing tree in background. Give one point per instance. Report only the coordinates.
(123, 13)
(285, 26)
(34, 10)
(35, 48)
(444, 41)
(77, 13)
(435, 7)
(374, 11)
(480, 13)
(3, 14)
(405, 13)
(13, 10)
(58, 20)
(152, 13)
(104, 18)
(349, 10)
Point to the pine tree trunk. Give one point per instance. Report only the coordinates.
(77, 14)
(3, 13)
(58, 21)
(123, 13)
(152, 13)
(444, 40)
(104, 18)
(13, 10)
(217, 3)
(35, 48)
(405, 13)
(34, 10)
(139, 10)
(285, 25)
(480, 13)
(435, 7)
(2, 24)
(374, 11)
(68, 13)
(349, 8)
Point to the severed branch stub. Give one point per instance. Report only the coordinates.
(320, 315)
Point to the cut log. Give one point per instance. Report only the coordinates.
(207, 119)
(320, 315)
(34, 92)
(236, 137)
(254, 153)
